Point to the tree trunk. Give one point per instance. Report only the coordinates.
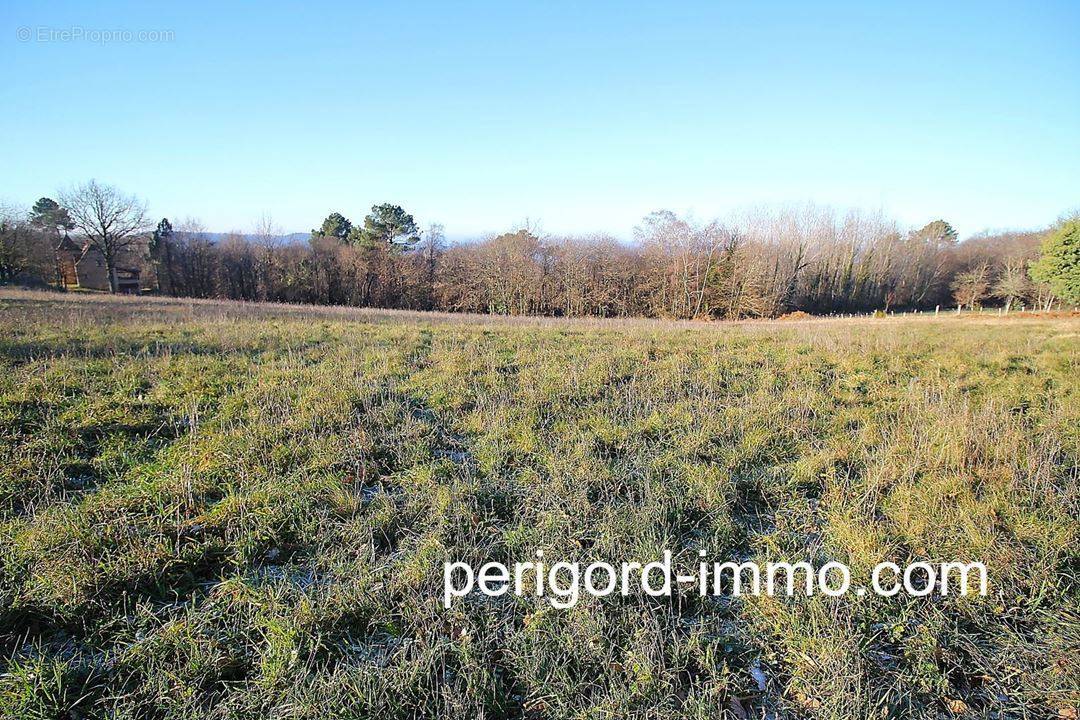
(110, 270)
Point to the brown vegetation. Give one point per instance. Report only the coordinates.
(760, 265)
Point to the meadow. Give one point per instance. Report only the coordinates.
(227, 510)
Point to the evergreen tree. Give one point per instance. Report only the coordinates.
(335, 225)
(160, 248)
(390, 227)
(48, 215)
(1058, 265)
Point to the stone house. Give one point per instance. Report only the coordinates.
(83, 266)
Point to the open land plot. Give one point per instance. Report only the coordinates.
(232, 510)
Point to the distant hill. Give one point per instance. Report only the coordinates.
(288, 239)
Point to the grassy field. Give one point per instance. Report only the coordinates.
(226, 510)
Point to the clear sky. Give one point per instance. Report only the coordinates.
(582, 115)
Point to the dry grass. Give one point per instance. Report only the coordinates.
(233, 510)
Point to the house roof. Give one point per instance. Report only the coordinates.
(68, 244)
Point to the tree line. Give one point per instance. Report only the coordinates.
(761, 263)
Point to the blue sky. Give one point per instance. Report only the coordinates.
(583, 116)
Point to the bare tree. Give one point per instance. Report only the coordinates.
(971, 287)
(237, 267)
(111, 220)
(1012, 284)
(198, 260)
(24, 248)
(760, 262)
(430, 249)
(267, 239)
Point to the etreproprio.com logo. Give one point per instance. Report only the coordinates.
(563, 583)
(97, 36)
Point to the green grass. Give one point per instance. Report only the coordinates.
(226, 510)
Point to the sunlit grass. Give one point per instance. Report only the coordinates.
(224, 510)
